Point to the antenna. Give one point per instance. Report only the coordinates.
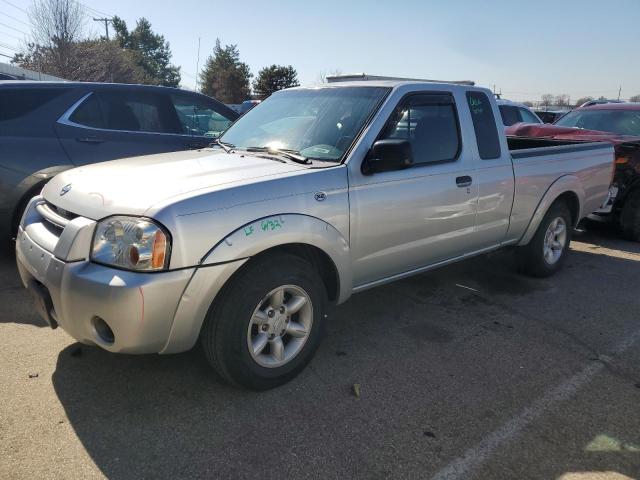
(198, 65)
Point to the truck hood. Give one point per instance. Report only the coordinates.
(133, 185)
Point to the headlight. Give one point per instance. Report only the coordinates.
(131, 243)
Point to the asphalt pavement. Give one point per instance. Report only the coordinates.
(468, 372)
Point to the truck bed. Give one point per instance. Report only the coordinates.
(539, 162)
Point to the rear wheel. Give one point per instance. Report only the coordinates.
(265, 326)
(630, 217)
(547, 250)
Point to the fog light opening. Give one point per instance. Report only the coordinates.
(104, 332)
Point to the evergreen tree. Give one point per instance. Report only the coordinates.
(274, 78)
(224, 76)
(151, 52)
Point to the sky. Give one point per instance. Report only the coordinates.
(524, 48)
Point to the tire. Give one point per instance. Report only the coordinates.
(243, 311)
(630, 217)
(534, 258)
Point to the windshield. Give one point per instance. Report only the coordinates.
(318, 123)
(622, 122)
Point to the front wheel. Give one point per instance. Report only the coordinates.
(265, 326)
(547, 250)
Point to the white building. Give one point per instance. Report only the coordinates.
(24, 74)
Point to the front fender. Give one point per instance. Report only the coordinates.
(276, 230)
(566, 183)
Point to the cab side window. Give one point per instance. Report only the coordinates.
(430, 123)
(198, 116)
(484, 125)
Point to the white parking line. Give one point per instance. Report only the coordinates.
(462, 466)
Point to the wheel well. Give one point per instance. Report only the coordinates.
(318, 258)
(570, 199)
(22, 203)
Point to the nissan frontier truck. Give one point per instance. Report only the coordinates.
(312, 196)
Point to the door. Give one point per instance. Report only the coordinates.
(406, 219)
(201, 117)
(110, 124)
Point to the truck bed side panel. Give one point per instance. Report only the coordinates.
(537, 169)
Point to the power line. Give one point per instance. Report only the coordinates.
(91, 9)
(9, 47)
(15, 6)
(13, 28)
(15, 19)
(10, 35)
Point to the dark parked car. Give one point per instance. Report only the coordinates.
(48, 127)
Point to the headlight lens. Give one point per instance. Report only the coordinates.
(131, 243)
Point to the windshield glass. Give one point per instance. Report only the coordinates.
(622, 122)
(319, 123)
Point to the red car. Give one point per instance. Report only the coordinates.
(619, 124)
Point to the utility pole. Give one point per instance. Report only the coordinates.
(106, 24)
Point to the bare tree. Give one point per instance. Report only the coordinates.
(635, 98)
(322, 76)
(57, 25)
(562, 100)
(547, 99)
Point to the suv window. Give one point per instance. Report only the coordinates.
(430, 123)
(133, 111)
(484, 125)
(527, 116)
(509, 115)
(198, 116)
(16, 103)
(89, 113)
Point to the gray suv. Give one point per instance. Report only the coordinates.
(49, 127)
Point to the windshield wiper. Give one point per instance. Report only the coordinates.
(288, 154)
(227, 147)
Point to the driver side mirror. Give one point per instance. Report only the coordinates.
(387, 155)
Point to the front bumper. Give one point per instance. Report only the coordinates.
(139, 308)
(159, 312)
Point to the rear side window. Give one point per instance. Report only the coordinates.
(16, 103)
(430, 123)
(131, 111)
(89, 113)
(484, 125)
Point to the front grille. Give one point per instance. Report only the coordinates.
(61, 211)
(55, 219)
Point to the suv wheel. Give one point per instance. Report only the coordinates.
(265, 326)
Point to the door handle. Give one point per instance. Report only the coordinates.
(464, 181)
(90, 139)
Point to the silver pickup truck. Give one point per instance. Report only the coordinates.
(315, 194)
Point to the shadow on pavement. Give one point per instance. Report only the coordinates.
(169, 417)
(15, 302)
